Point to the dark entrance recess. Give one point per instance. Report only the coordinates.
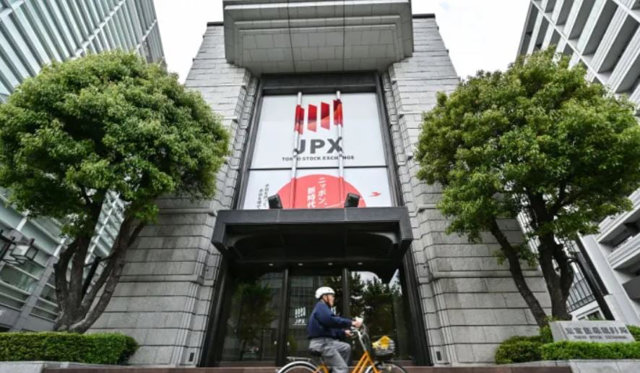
(274, 259)
(377, 237)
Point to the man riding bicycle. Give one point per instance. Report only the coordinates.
(325, 330)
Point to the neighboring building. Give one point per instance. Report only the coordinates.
(603, 36)
(228, 281)
(34, 33)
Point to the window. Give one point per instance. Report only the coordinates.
(382, 306)
(255, 309)
(252, 325)
(45, 309)
(11, 296)
(594, 315)
(580, 293)
(18, 282)
(619, 44)
(299, 146)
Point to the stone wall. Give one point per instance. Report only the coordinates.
(470, 302)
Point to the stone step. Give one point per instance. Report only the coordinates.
(475, 369)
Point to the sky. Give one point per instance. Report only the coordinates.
(480, 34)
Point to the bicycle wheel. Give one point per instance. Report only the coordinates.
(387, 368)
(301, 367)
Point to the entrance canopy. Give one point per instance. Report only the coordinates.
(373, 238)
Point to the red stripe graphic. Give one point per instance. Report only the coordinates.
(299, 126)
(337, 114)
(313, 118)
(325, 115)
(325, 118)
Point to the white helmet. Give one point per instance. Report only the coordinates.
(324, 290)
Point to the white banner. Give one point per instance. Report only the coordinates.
(318, 188)
(319, 143)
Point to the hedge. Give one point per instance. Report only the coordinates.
(545, 334)
(541, 347)
(99, 348)
(635, 331)
(519, 350)
(566, 350)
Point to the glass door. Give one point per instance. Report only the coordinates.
(251, 327)
(266, 315)
(382, 305)
(379, 301)
(301, 302)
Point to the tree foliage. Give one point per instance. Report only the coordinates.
(107, 123)
(536, 139)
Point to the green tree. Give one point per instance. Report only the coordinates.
(537, 139)
(100, 124)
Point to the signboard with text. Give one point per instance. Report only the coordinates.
(591, 331)
(309, 137)
(319, 142)
(318, 188)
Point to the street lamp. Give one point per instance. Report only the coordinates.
(17, 249)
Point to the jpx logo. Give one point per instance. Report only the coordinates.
(315, 124)
(315, 145)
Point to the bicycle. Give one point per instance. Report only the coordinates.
(370, 362)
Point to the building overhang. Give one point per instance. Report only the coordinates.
(298, 36)
(632, 287)
(372, 238)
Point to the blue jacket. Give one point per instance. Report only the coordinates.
(325, 324)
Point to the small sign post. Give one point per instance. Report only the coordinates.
(590, 331)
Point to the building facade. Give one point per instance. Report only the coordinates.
(33, 33)
(323, 101)
(603, 36)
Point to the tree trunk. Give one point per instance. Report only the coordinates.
(566, 277)
(558, 285)
(78, 310)
(518, 277)
(550, 254)
(66, 297)
(109, 278)
(69, 270)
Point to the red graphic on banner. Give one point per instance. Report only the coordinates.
(299, 123)
(337, 114)
(317, 191)
(325, 115)
(313, 118)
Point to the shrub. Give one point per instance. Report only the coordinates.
(545, 334)
(99, 348)
(524, 349)
(635, 331)
(519, 350)
(566, 350)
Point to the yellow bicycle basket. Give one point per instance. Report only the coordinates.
(384, 347)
